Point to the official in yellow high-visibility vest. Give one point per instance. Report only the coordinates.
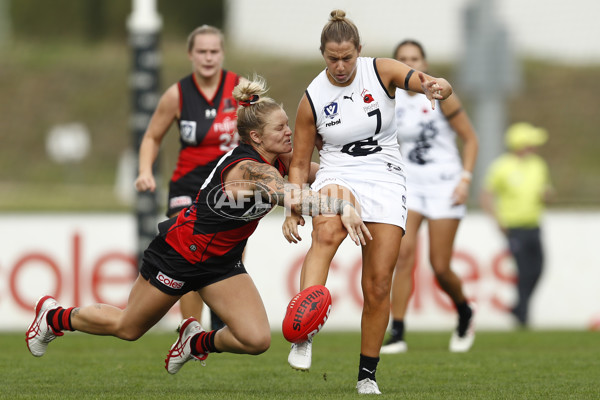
(517, 185)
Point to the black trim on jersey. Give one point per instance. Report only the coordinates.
(392, 97)
(312, 106)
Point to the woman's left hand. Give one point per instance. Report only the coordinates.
(461, 193)
(435, 89)
(290, 227)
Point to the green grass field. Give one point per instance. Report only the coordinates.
(501, 365)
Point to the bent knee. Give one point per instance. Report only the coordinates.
(128, 332)
(258, 344)
(130, 335)
(329, 233)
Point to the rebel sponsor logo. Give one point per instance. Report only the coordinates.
(333, 123)
(170, 282)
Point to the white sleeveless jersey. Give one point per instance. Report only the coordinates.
(428, 146)
(357, 124)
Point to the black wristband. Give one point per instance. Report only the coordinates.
(407, 79)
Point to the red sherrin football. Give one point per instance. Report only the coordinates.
(306, 314)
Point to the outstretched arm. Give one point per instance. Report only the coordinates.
(266, 179)
(395, 74)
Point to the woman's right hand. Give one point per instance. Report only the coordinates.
(435, 89)
(355, 226)
(145, 182)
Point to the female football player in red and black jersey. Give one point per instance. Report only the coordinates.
(201, 248)
(203, 106)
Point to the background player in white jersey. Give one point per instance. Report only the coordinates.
(350, 105)
(438, 187)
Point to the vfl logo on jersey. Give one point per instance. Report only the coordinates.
(331, 110)
(362, 147)
(210, 113)
(187, 130)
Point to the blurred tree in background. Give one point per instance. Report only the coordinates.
(69, 61)
(95, 20)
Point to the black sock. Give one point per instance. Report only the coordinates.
(59, 319)
(464, 316)
(367, 367)
(204, 342)
(464, 311)
(397, 330)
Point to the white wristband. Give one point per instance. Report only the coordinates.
(466, 175)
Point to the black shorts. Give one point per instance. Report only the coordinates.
(183, 191)
(181, 195)
(172, 274)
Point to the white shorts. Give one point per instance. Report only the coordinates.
(435, 207)
(380, 201)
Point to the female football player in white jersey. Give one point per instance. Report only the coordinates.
(438, 187)
(350, 107)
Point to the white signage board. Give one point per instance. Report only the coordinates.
(88, 258)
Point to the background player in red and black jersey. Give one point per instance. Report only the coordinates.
(205, 110)
(201, 248)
